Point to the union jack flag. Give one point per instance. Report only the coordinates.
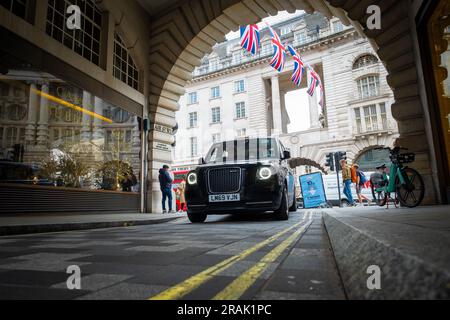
(279, 55)
(250, 40)
(314, 81)
(299, 67)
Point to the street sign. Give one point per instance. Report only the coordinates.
(313, 190)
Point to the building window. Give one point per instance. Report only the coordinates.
(240, 110)
(86, 42)
(266, 49)
(239, 86)
(215, 92)
(192, 119)
(370, 117)
(300, 38)
(18, 7)
(285, 30)
(124, 67)
(215, 115)
(337, 26)
(193, 98)
(358, 120)
(365, 61)
(237, 57)
(369, 87)
(194, 147)
(383, 114)
(216, 138)
(241, 133)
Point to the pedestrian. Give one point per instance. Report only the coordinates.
(361, 182)
(347, 180)
(181, 190)
(165, 182)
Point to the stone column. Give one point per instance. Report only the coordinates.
(43, 132)
(314, 111)
(276, 106)
(33, 102)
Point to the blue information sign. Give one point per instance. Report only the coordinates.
(313, 190)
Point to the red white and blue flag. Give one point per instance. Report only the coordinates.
(299, 67)
(322, 100)
(279, 55)
(250, 39)
(314, 81)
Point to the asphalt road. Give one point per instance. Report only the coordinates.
(228, 257)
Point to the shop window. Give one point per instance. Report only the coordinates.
(124, 67)
(90, 147)
(86, 41)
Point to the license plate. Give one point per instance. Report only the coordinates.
(224, 197)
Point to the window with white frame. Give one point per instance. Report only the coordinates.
(240, 110)
(371, 118)
(192, 98)
(217, 137)
(358, 120)
(85, 42)
(193, 118)
(300, 38)
(239, 86)
(266, 48)
(366, 60)
(17, 7)
(383, 114)
(241, 133)
(215, 93)
(193, 146)
(285, 30)
(368, 87)
(337, 26)
(237, 57)
(215, 115)
(124, 67)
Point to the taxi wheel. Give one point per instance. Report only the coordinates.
(197, 217)
(283, 212)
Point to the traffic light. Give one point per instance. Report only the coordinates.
(340, 156)
(330, 161)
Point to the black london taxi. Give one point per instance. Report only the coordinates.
(238, 176)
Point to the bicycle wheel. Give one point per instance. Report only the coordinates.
(412, 192)
(381, 198)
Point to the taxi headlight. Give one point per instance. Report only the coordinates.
(192, 178)
(264, 173)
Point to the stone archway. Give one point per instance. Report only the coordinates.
(297, 162)
(181, 38)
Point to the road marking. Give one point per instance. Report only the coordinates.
(190, 284)
(241, 284)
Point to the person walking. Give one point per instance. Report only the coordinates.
(347, 180)
(181, 190)
(361, 181)
(165, 182)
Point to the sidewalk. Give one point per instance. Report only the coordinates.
(411, 247)
(40, 223)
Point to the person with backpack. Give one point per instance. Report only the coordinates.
(347, 179)
(360, 183)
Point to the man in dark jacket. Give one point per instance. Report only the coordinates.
(165, 182)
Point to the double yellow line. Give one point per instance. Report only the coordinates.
(238, 287)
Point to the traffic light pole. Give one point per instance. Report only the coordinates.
(337, 166)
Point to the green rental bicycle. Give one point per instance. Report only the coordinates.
(406, 183)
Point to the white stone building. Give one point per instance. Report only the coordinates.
(235, 94)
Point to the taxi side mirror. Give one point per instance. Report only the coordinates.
(201, 161)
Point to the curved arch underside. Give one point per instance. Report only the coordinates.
(297, 162)
(182, 37)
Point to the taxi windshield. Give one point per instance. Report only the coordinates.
(243, 150)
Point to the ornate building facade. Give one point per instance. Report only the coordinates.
(234, 94)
